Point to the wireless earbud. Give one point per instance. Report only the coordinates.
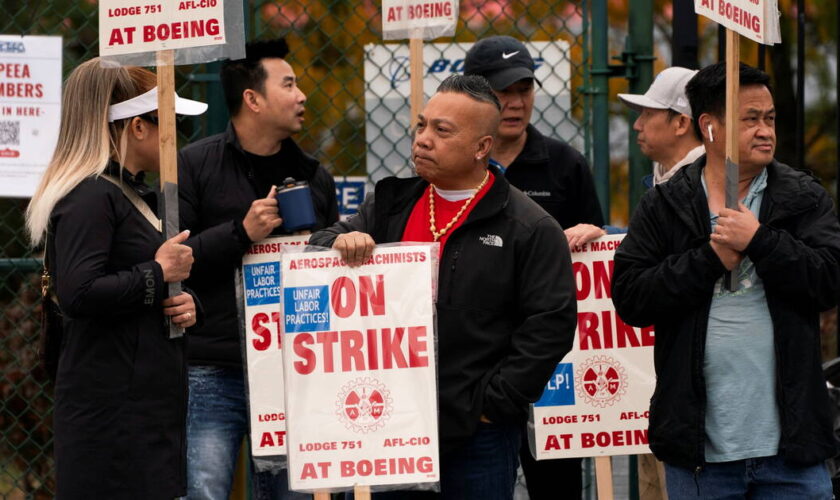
(711, 136)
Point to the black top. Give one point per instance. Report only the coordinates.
(218, 181)
(500, 333)
(120, 395)
(557, 177)
(665, 274)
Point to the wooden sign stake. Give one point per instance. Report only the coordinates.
(733, 60)
(168, 160)
(416, 69)
(603, 477)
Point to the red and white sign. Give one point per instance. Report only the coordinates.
(359, 363)
(261, 296)
(596, 402)
(424, 19)
(131, 26)
(30, 110)
(757, 20)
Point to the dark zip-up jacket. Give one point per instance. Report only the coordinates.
(557, 177)
(665, 271)
(506, 306)
(216, 186)
(121, 388)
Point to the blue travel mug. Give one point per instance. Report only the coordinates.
(295, 203)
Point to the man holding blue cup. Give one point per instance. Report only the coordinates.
(223, 184)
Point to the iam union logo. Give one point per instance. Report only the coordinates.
(601, 381)
(363, 405)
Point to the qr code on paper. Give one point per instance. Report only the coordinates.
(9, 133)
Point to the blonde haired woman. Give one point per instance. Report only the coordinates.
(120, 394)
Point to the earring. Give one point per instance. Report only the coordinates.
(711, 136)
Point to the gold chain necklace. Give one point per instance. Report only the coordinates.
(437, 234)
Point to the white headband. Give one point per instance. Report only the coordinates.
(144, 103)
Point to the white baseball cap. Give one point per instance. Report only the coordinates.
(144, 103)
(666, 92)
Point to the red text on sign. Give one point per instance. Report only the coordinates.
(385, 348)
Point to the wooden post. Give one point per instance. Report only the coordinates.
(321, 495)
(362, 492)
(733, 60)
(416, 69)
(168, 161)
(603, 477)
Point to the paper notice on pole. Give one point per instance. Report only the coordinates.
(757, 20)
(596, 402)
(30, 110)
(261, 297)
(359, 361)
(423, 19)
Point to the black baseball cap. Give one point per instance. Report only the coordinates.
(502, 60)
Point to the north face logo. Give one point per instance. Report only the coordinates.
(492, 240)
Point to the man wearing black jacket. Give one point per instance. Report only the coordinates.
(505, 313)
(740, 407)
(223, 183)
(550, 172)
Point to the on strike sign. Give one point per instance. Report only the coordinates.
(424, 19)
(130, 26)
(359, 361)
(261, 296)
(597, 401)
(757, 20)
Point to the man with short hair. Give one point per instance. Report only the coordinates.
(223, 182)
(740, 407)
(665, 133)
(550, 172)
(505, 313)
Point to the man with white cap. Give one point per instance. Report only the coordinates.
(224, 180)
(665, 135)
(665, 131)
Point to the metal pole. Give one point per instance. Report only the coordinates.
(762, 50)
(684, 42)
(600, 110)
(800, 83)
(640, 48)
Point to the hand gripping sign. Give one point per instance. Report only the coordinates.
(359, 364)
(259, 295)
(596, 402)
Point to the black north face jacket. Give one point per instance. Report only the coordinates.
(506, 307)
(665, 272)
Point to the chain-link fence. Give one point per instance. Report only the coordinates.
(328, 39)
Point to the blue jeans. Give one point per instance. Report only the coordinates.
(768, 478)
(482, 469)
(217, 420)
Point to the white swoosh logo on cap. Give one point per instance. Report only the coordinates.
(508, 56)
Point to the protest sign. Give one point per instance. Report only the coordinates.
(130, 26)
(757, 20)
(424, 19)
(30, 110)
(260, 311)
(596, 402)
(359, 365)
